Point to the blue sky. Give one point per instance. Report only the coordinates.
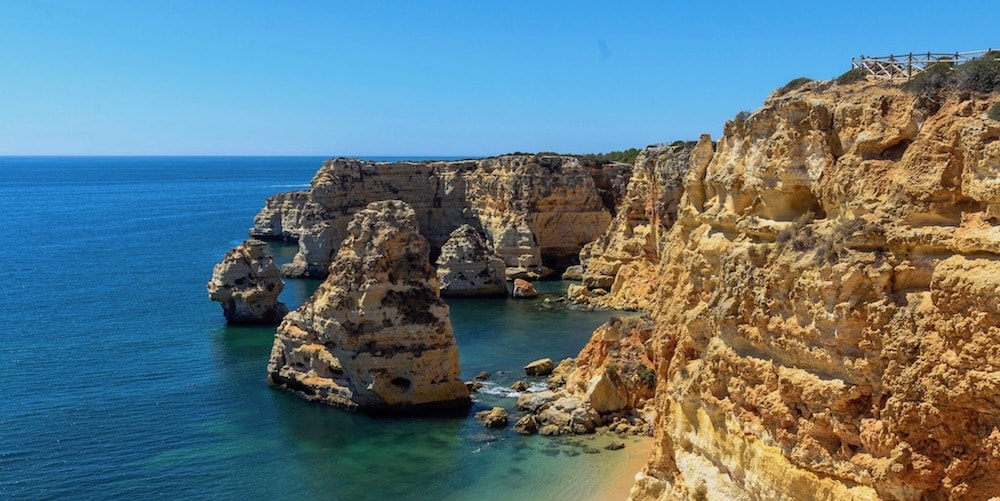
(429, 77)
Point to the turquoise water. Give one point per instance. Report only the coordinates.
(119, 379)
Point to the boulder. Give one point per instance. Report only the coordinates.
(247, 283)
(524, 289)
(467, 266)
(541, 367)
(574, 272)
(494, 418)
(556, 413)
(375, 336)
(526, 425)
(604, 395)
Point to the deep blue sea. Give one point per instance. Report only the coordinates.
(119, 379)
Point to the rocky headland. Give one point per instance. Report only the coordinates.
(247, 283)
(536, 211)
(375, 336)
(826, 320)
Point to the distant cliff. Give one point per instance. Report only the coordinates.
(537, 211)
(827, 323)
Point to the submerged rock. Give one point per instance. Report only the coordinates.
(375, 336)
(467, 266)
(247, 283)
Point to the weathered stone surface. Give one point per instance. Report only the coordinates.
(541, 367)
(494, 418)
(467, 266)
(523, 289)
(574, 272)
(826, 320)
(526, 425)
(537, 211)
(556, 413)
(615, 371)
(284, 216)
(375, 335)
(624, 258)
(247, 283)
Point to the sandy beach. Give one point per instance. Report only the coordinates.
(621, 476)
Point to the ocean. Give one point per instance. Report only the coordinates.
(119, 379)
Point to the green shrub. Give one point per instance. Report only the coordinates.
(794, 84)
(647, 376)
(979, 75)
(741, 116)
(994, 113)
(598, 159)
(851, 76)
(933, 78)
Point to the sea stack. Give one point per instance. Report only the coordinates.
(467, 266)
(376, 335)
(247, 283)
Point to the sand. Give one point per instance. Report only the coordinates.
(621, 475)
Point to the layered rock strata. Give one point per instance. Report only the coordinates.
(536, 211)
(624, 258)
(467, 267)
(375, 335)
(247, 283)
(284, 216)
(826, 323)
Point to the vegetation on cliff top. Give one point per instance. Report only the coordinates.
(594, 159)
(978, 75)
(851, 76)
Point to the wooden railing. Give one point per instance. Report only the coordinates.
(906, 66)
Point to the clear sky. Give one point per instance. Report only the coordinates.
(217, 77)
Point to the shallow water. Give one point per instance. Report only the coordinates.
(120, 379)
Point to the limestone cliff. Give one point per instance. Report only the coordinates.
(536, 211)
(284, 216)
(467, 267)
(247, 284)
(624, 258)
(375, 335)
(827, 323)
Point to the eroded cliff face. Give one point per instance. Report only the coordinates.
(375, 335)
(827, 323)
(247, 283)
(467, 267)
(536, 211)
(623, 260)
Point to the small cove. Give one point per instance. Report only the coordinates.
(122, 379)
